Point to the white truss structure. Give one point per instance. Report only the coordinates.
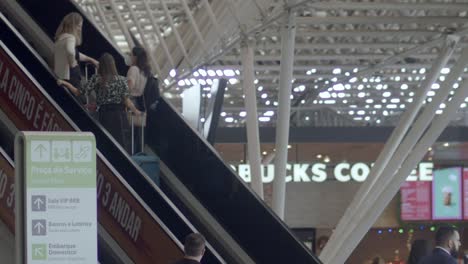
(357, 62)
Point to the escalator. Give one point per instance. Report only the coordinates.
(144, 226)
(187, 160)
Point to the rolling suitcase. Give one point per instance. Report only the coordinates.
(149, 163)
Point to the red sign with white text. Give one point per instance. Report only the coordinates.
(119, 212)
(416, 200)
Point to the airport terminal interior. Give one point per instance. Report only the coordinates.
(283, 131)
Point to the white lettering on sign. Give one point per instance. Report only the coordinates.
(318, 172)
(29, 106)
(118, 208)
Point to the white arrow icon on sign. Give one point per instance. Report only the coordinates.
(38, 202)
(38, 252)
(38, 226)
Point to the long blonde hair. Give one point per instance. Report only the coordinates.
(69, 25)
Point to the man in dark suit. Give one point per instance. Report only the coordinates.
(194, 249)
(447, 246)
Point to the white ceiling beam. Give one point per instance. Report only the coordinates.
(344, 67)
(341, 57)
(158, 34)
(431, 20)
(193, 23)
(356, 33)
(387, 45)
(179, 41)
(335, 5)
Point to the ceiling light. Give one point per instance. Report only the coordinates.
(404, 86)
(229, 73)
(336, 71)
(361, 94)
(435, 86)
(223, 114)
(243, 114)
(211, 73)
(446, 144)
(269, 113)
(229, 119)
(387, 94)
(264, 95)
(172, 73)
(264, 119)
(338, 87)
(319, 156)
(202, 72)
(445, 71)
(395, 100)
(325, 95)
(391, 106)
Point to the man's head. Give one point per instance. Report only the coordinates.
(448, 238)
(194, 246)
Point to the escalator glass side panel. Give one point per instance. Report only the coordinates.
(222, 192)
(133, 227)
(254, 226)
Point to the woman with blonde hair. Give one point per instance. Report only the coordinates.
(112, 97)
(66, 56)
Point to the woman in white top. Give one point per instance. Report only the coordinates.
(66, 55)
(137, 76)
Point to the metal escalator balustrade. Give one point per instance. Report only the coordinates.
(255, 227)
(131, 222)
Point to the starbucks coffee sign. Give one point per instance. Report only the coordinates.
(320, 172)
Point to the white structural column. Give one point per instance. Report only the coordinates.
(194, 24)
(122, 25)
(174, 30)
(288, 35)
(158, 34)
(104, 21)
(433, 132)
(349, 218)
(253, 139)
(145, 43)
(386, 166)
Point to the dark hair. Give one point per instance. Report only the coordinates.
(419, 249)
(378, 260)
(107, 69)
(142, 61)
(444, 234)
(194, 245)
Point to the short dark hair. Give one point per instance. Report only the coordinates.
(444, 234)
(194, 245)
